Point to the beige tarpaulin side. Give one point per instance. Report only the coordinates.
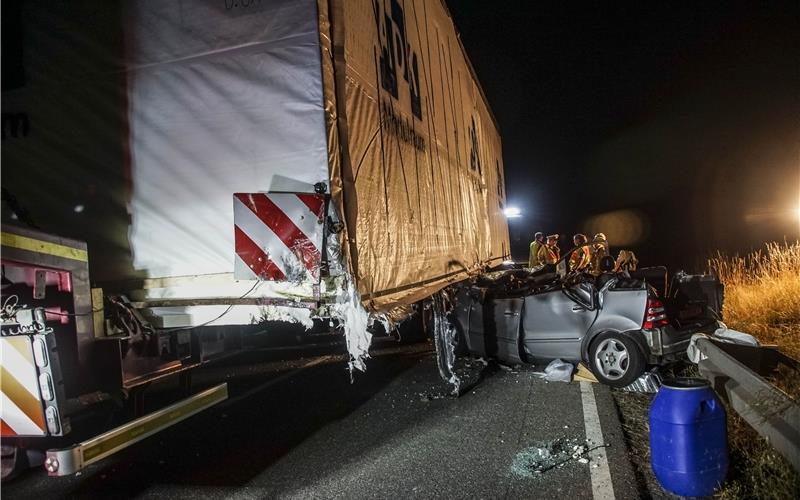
(415, 155)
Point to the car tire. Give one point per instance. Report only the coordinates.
(460, 348)
(616, 359)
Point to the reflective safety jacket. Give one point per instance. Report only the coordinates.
(549, 254)
(533, 259)
(598, 252)
(580, 259)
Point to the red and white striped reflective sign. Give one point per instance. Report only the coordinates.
(278, 236)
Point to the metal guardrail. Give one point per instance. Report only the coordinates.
(736, 373)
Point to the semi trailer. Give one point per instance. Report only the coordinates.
(176, 173)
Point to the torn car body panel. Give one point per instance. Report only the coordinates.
(494, 328)
(445, 336)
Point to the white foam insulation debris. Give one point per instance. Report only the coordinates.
(287, 314)
(350, 313)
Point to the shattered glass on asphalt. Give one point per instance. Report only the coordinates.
(544, 456)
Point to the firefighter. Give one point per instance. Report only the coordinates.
(536, 244)
(626, 262)
(549, 253)
(599, 250)
(581, 258)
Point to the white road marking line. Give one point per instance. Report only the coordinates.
(602, 487)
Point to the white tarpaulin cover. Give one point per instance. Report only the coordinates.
(223, 99)
(144, 117)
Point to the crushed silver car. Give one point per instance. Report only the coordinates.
(616, 323)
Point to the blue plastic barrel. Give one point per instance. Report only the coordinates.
(688, 437)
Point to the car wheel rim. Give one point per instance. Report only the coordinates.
(611, 359)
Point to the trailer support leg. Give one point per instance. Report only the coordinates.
(185, 382)
(138, 400)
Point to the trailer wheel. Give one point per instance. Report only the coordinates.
(14, 462)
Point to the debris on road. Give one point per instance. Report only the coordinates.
(431, 397)
(470, 372)
(583, 374)
(648, 382)
(470, 362)
(557, 371)
(544, 456)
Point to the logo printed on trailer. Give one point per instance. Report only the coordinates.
(396, 55)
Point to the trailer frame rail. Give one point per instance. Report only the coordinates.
(66, 461)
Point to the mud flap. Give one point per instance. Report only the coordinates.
(444, 335)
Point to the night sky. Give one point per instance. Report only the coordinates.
(674, 127)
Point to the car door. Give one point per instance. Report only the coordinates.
(494, 328)
(555, 322)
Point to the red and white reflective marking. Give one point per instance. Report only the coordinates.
(278, 236)
(21, 411)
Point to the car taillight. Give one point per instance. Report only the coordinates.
(654, 315)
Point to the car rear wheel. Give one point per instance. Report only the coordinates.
(615, 359)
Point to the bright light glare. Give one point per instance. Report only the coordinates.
(512, 212)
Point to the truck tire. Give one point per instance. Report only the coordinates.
(14, 462)
(615, 359)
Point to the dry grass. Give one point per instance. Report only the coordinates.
(762, 294)
(762, 297)
(756, 469)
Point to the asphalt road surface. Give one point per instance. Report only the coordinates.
(295, 427)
